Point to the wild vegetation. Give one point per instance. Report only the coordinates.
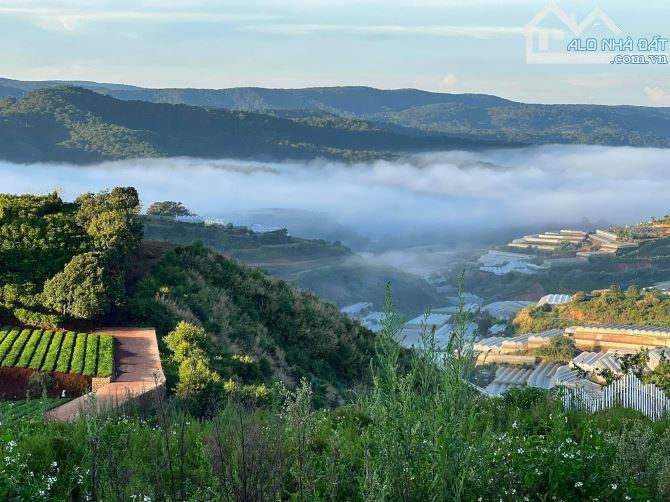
(612, 306)
(420, 433)
(290, 334)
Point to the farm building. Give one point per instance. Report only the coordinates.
(596, 361)
(518, 266)
(603, 337)
(554, 300)
(505, 345)
(546, 375)
(494, 258)
(550, 241)
(506, 309)
(609, 242)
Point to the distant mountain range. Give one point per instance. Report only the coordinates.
(72, 124)
(353, 123)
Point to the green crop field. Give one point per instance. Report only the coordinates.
(15, 410)
(77, 353)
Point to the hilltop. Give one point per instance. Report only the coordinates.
(83, 263)
(73, 124)
(474, 116)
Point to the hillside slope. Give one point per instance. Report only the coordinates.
(476, 116)
(289, 333)
(78, 125)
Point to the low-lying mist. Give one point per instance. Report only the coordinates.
(421, 199)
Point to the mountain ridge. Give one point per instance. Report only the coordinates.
(478, 117)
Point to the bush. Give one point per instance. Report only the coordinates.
(13, 355)
(7, 342)
(37, 318)
(29, 349)
(39, 384)
(41, 350)
(53, 352)
(105, 356)
(91, 360)
(63, 364)
(78, 354)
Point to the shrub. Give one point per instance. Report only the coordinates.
(39, 384)
(65, 355)
(52, 353)
(7, 344)
(91, 360)
(14, 353)
(37, 318)
(41, 350)
(78, 354)
(105, 356)
(29, 349)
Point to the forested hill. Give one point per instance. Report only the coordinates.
(77, 125)
(475, 116)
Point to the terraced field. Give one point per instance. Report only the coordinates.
(64, 352)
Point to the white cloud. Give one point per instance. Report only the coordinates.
(422, 194)
(483, 32)
(450, 81)
(657, 96)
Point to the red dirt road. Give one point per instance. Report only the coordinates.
(139, 371)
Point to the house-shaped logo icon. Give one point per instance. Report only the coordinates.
(539, 37)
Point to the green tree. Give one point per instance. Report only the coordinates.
(169, 208)
(186, 342)
(84, 289)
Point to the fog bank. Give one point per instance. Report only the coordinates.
(437, 193)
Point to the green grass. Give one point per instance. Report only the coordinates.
(106, 356)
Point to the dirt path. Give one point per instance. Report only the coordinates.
(139, 372)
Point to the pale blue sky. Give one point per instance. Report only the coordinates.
(440, 45)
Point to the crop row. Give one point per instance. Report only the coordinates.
(78, 353)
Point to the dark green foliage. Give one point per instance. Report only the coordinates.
(77, 125)
(289, 332)
(67, 258)
(29, 349)
(65, 354)
(53, 352)
(561, 350)
(169, 208)
(86, 288)
(78, 354)
(40, 319)
(91, 359)
(41, 351)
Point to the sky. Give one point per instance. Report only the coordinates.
(474, 46)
